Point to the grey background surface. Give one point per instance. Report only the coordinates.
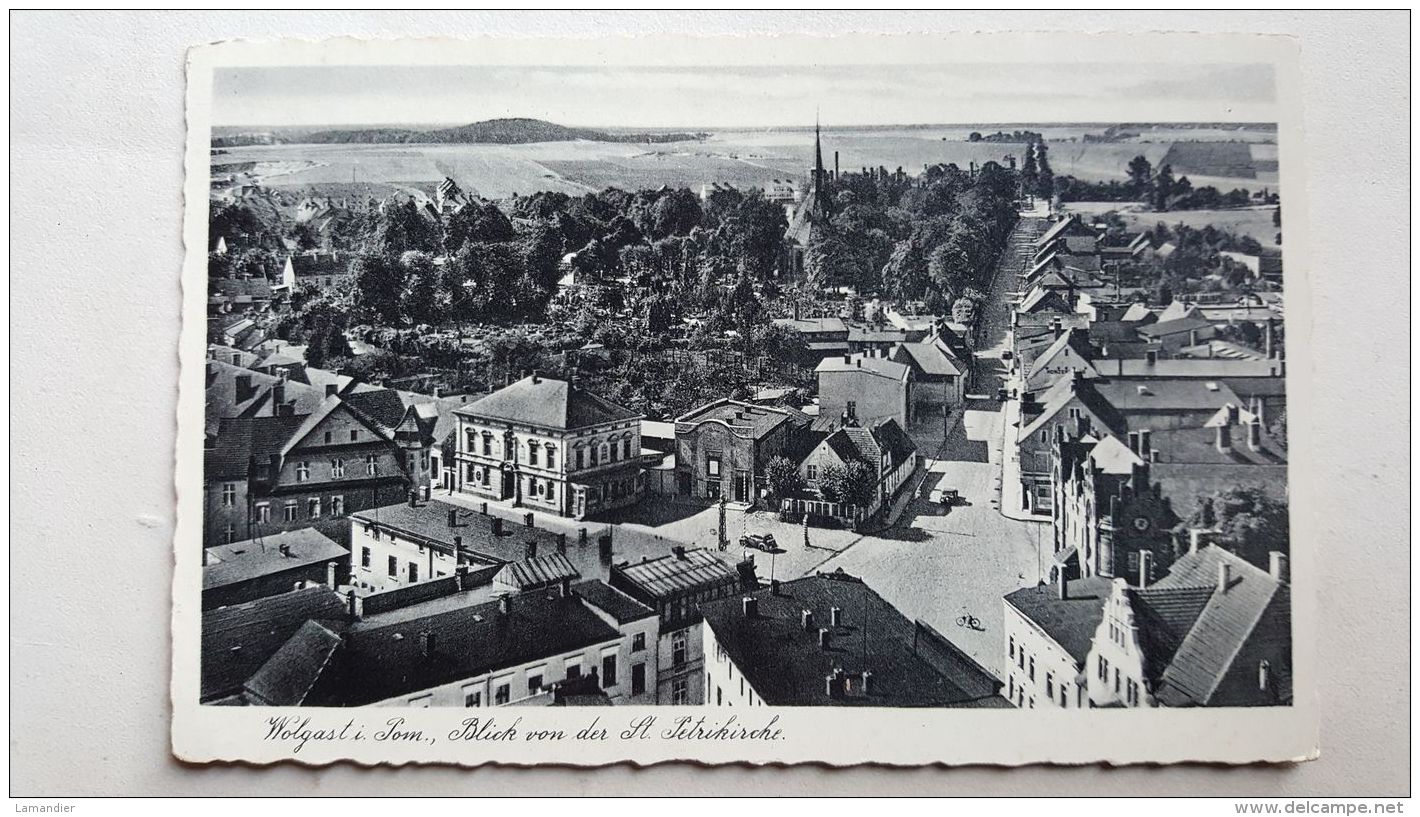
(97, 138)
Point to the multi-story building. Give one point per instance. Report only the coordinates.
(939, 378)
(722, 448)
(269, 474)
(884, 447)
(434, 645)
(548, 445)
(866, 388)
(675, 587)
(251, 569)
(1048, 631)
(830, 640)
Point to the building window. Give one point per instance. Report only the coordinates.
(393, 567)
(551, 451)
(263, 512)
(626, 449)
(372, 465)
(535, 684)
(678, 648)
(680, 692)
(313, 508)
(592, 454)
(303, 471)
(472, 473)
(424, 460)
(501, 695)
(337, 505)
(288, 512)
(1103, 669)
(574, 669)
(469, 440)
(1012, 648)
(638, 679)
(413, 572)
(329, 437)
(1032, 668)
(487, 444)
(231, 534)
(608, 671)
(580, 458)
(472, 696)
(812, 472)
(365, 557)
(354, 435)
(229, 494)
(638, 642)
(532, 452)
(712, 467)
(337, 468)
(1050, 685)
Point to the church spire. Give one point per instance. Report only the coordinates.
(818, 155)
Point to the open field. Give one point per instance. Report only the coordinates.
(1253, 221)
(742, 158)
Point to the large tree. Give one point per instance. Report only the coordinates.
(853, 483)
(1141, 175)
(1248, 522)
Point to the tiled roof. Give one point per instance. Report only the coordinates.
(238, 640)
(1070, 622)
(1216, 368)
(1138, 312)
(675, 574)
(429, 523)
(250, 559)
(890, 437)
(1174, 327)
(868, 334)
(287, 677)
(786, 666)
(1165, 395)
(814, 326)
(1164, 616)
(549, 403)
(1062, 393)
(240, 439)
(1222, 627)
(382, 661)
(929, 357)
(854, 443)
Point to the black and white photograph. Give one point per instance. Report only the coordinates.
(739, 386)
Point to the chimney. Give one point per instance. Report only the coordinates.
(806, 619)
(329, 574)
(413, 498)
(823, 638)
(1225, 438)
(331, 389)
(1195, 539)
(285, 550)
(530, 550)
(1193, 337)
(244, 389)
(1134, 441)
(453, 517)
(751, 606)
(1257, 409)
(1225, 576)
(1254, 435)
(679, 552)
(426, 643)
(1063, 589)
(835, 616)
(460, 572)
(1145, 449)
(867, 682)
(847, 358)
(278, 395)
(528, 519)
(1277, 566)
(497, 525)
(773, 587)
(1056, 329)
(1151, 356)
(581, 536)
(561, 542)
(483, 508)
(505, 604)
(355, 606)
(1146, 567)
(1269, 340)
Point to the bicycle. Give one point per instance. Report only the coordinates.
(969, 621)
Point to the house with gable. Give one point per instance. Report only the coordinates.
(865, 388)
(1076, 408)
(938, 375)
(883, 446)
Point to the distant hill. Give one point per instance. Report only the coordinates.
(492, 131)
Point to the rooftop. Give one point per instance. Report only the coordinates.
(428, 521)
(678, 573)
(880, 366)
(1070, 622)
(1165, 394)
(910, 665)
(548, 403)
(746, 418)
(238, 640)
(251, 559)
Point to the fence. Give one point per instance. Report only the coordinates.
(852, 514)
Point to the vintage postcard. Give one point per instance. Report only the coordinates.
(890, 399)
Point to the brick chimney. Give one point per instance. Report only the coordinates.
(1254, 435)
(806, 619)
(1277, 566)
(1145, 448)
(751, 606)
(1146, 567)
(1225, 576)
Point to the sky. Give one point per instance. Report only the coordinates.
(746, 97)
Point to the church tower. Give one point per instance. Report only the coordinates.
(818, 197)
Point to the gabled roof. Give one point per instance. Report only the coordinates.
(238, 640)
(1068, 389)
(1074, 339)
(1114, 457)
(880, 366)
(1228, 620)
(931, 358)
(240, 439)
(1058, 229)
(891, 438)
(1177, 310)
(548, 403)
(1186, 394)
(287, 677)
(854, 443)
(329, 406)
(1041, 299)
